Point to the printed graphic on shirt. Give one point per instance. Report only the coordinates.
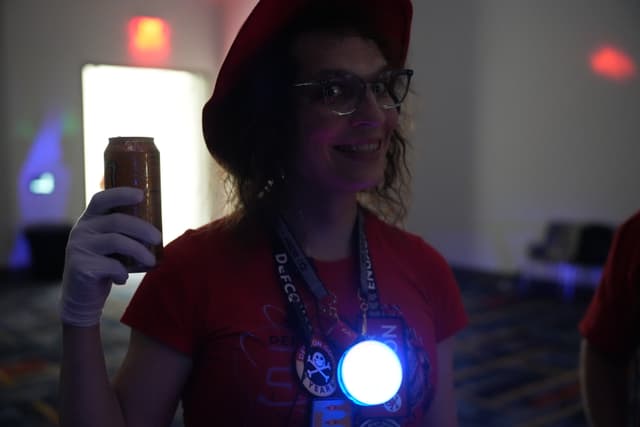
(270, 350)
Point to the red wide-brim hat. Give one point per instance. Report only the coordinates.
(391, 19)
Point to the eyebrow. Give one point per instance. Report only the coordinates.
(327, 73)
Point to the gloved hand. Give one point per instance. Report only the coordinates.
(89, 271)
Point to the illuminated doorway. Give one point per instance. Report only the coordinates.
(163, 104)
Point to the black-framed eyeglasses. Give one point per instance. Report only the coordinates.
(344, 92)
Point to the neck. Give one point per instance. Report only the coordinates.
(323, 227)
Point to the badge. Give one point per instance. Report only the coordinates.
(380, 423)
(316, 368)
(395, 404)
(391, 331)
(331, 412)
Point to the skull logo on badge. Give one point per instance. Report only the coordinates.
(315, 366)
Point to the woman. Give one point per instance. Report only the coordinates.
(246, 319)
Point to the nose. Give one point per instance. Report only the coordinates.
(369, 112)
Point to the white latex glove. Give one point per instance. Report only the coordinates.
(89, 271)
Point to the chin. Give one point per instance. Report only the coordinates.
(364, 185)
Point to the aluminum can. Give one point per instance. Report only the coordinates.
(135, 162)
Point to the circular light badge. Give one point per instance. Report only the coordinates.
(370, 373)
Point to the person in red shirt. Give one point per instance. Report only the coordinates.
(609, 354)
(254, 318)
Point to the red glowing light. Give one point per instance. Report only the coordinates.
(149, 39)
(613, 64)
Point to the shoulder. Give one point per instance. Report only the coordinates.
(625, 247)
(420, 280)
(216, 240)
(403, 245)
(631, 227)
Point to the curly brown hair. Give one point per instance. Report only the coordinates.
(257, 131)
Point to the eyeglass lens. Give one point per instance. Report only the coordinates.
(343, 94)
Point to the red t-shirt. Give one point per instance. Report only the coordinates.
(217, 299)
(612, 321)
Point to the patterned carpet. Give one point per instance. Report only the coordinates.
(30, 348)
(515, 365)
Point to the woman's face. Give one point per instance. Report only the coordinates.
(340, 154)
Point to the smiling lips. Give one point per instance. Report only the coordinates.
(359, 148)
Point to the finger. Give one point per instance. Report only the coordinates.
(111, 269)
(129, 225)
(115, 243)
(104, 201)
(85, 266)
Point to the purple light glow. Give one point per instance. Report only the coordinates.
(45, 156)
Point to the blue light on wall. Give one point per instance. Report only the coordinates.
(43, 185)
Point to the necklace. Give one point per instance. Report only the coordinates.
(314, 362)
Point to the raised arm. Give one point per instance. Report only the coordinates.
(87, 397)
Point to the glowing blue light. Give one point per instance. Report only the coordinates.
(370, 373)
(44, 184)
(44, 156)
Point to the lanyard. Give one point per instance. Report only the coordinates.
(287, 253)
